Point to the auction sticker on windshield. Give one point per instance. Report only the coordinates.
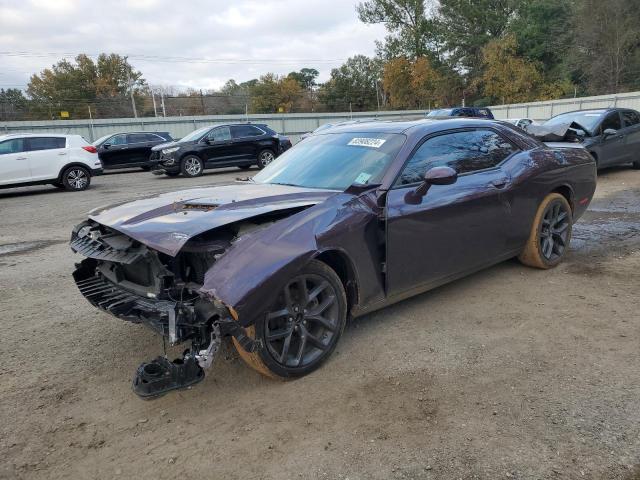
(367, 142)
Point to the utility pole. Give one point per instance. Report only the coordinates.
(202, 103)
(91, 123)
(153, 99)
(133, 101)
(377, 95)
(164, 113)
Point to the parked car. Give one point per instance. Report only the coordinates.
(129, 149)
(327, 126)
(227, 145)
(611, 135)
(342, 224)
(470, 112)
(522, 123)
(66, 161)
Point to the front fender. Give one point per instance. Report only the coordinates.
(252, 272)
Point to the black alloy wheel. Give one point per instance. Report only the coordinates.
(554, 231)
(304, 324)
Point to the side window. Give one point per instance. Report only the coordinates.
(117, 140)
(220, 134)
(151, 137)
(137, 138)
(15, 145)
(45, 143)
(465, 152)
(630, 118)
(612, 120)
(243, 131)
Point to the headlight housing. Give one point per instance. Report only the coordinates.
(167, 151)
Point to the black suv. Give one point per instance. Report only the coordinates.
(227, 145)
(471, 112)
(130, 149)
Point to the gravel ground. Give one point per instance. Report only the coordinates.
(509, 373)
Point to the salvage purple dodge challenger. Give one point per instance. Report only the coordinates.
(346, 222)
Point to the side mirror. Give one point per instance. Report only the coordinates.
(609, 132)
(106, 145)
(434, 176)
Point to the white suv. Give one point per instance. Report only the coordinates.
(66, 161)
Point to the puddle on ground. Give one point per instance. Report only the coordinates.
(24, 247)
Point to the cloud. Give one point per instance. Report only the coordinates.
(252, 37)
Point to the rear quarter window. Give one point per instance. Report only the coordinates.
(46, 143)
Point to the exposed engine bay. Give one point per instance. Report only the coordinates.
(138, 284)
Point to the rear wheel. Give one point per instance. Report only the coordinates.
(550, 233)
(265, 157)
(302, 327)
(76, 178)
(192, 166)
(636, 165)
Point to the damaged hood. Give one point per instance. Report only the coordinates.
(166, 222)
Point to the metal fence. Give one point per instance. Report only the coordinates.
(295, 124)
(291, 124)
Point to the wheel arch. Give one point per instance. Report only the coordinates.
(191, 153)
(74, 164)
(339, 262)
(567, 192)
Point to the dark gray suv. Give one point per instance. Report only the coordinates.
(227, 145)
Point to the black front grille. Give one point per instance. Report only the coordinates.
(91, 248)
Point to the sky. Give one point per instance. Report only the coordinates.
(188, 43)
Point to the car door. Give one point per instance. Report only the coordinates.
(455, 228)
(113, 151)
(217, 147)
(46, 156)
(14, 165)
(611, 148)
(631, 132)
(245, 141)
(138, 148)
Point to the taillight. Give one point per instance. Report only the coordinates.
(90, 149)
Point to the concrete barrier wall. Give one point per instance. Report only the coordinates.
(295, 124)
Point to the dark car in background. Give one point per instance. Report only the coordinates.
(469, 112)
(129, 149)
(611, 135)
(227, 145)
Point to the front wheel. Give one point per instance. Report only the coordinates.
(76, 179)
(302, 327)
(192, 166)
(550, 233)
(265, 157)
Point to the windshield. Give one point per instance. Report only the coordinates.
(195, 135)
(101, 140)
(588, 119)
(334, 161)
(439, 113)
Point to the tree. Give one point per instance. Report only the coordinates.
(467, 26)
(273, 94)
(506, 76)
(410, 25)
(354, 84)
(13, 104)
(306, 77)
(72, 86)
(606, 39)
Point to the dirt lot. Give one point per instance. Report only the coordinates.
(510, 373)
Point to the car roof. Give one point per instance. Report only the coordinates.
(31, 135)
(423, 126)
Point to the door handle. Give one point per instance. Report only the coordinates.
(62, 153)
(21, 158)
(500, 182)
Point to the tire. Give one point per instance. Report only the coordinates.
(172, 174)
(550, 233)
(145, 169)
(191, 166)
(284, 332)
(76, 178)
(636, 165)
(265, 157)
